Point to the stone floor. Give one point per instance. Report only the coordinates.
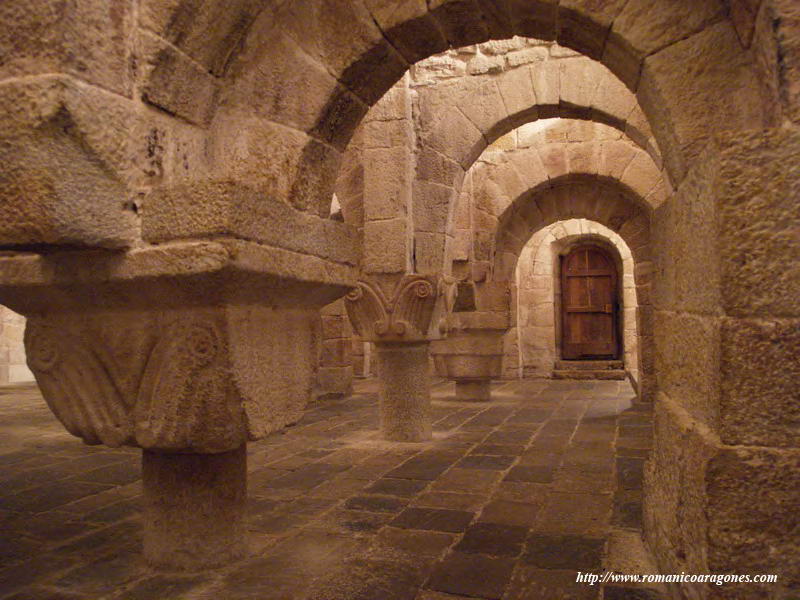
(508, 501)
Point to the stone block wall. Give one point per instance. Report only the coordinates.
(722, 487)
(13, 368)
(335, 372)
(492, 95)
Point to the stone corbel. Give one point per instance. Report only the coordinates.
(414, 311)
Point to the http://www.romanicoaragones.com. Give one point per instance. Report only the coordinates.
(717, 578)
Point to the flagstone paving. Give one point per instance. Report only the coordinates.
(508, 502)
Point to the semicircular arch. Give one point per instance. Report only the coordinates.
(341, 57)
(597, 198)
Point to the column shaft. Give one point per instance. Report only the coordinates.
(404, 391)
(194, 508)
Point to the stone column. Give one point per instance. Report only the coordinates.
(189, 368)
(171, 305)
(194, 508)
(401, 323)
(190, 387)
(404, 393)
(335, 373)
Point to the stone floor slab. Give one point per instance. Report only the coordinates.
(488, 463)
(508, 501)
(493, 539)
(472, 575)
(404, 488)
(564, 552)
(433, 519)
(505, 512)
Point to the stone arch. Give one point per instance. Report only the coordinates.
(503, 178)
(459, 119)
(371, 166)
(435, 168)
(510, 174)
(595, 198)
(247, 58)
(598, 198)
(532, 349)
(176, 95)
(513, 173)
(222, 77)
(346, 55)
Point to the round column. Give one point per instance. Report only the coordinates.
(473, 390)
(404, 392)
(194, 508)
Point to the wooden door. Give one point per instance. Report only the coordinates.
(588, 304)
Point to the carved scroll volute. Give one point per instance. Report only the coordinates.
(413, 306)
(366, 308)
(166, 385)
(74, 379)
(186, 396)
(413, 313)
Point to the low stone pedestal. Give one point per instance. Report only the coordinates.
(468, 390)
(194, 508)
(471, 357)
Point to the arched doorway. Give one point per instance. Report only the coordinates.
(589, 305)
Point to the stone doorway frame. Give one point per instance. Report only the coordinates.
(560, 249)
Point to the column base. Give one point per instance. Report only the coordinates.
(404, 392)
(194, 509)
(474, 390)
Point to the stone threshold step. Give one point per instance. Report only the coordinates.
(615, 374)
(588, 365)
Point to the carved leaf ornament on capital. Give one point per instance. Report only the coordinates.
(175, 394)
(412, 313)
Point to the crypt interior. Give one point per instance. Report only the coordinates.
(399, 299)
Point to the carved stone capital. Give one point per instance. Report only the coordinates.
(186, 347)
(192, 380)
(413, 311)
